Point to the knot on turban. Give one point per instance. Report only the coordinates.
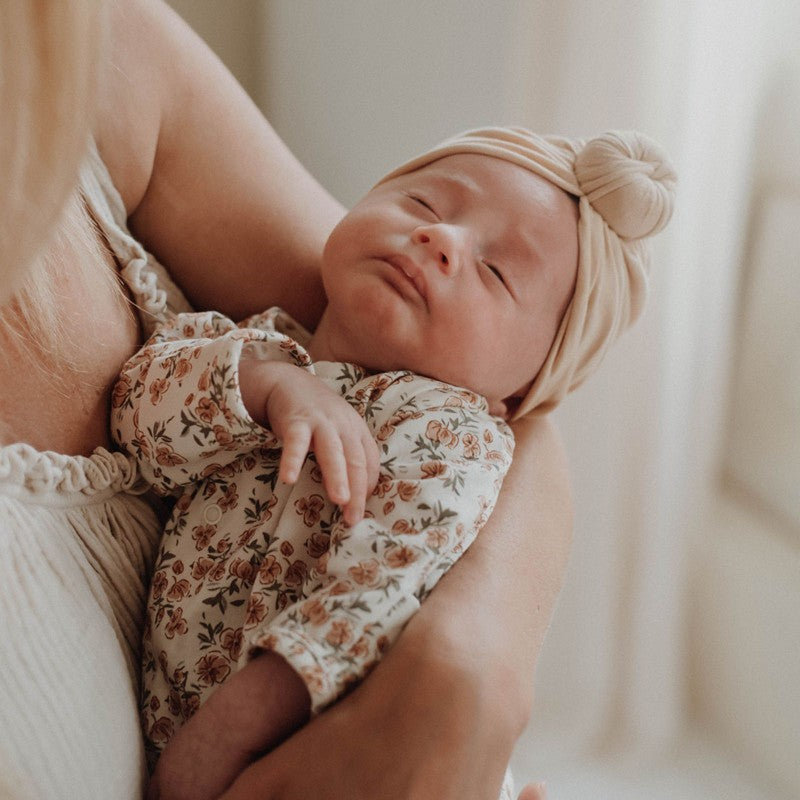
(626, 191)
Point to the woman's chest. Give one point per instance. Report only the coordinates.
(78, 328)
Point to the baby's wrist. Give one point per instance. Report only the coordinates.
(257, 379)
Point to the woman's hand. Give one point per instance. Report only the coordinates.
(418, 728)
(306, 414)
(440, 714)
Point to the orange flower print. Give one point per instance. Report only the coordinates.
(201, 534)
(161, 730)
(270, 570)
(245, 537)
(201, 567)
(407, 491)
(339, 633)
(433, 469)
(231, 641)
(182, 368)
(121, 391)
(472, 448)
(404, 526)
(211, 469)
(488, 436)
(176, 625)
(314, 611)
(287, 549)
(340, 587)
(255, 612)
(206, 409)
(388, 507)
(436, 538)
(383, 486)
(159, 584)
(223, 436)
(400, 557)
(385, 432)
(204, 381)
(212, 668)
(453, 401)
(167, 457)
(296, 574)
(359, 649)
(437, 431)
(178, 590)
(315, 474)
(310, 508)
(317, 544)
(365, 573)
(242, 569)
(229, 500)
(190, 704)
(157, 389)
(174, 703)
(313, 677)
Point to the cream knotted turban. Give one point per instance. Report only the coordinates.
(626, 190)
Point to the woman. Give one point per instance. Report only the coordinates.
(183, 159)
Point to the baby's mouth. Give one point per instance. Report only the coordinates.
(411, 274)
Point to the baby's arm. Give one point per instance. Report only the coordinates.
(192, 400)
(305, 414)
(444, 459)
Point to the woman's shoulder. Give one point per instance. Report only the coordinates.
(131, 95)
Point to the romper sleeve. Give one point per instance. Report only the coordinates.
(443, 461)
(176, 406)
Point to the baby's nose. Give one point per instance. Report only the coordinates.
(441, 244)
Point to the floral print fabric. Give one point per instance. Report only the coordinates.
(247, 563)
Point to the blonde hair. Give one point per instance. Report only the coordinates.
(48, 58)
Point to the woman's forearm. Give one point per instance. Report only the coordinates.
(441, 712)
(495, 605)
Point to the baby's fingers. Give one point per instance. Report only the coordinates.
(330, 458)
(296, 444)
(358, 477)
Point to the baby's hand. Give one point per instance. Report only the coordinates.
(307, 415)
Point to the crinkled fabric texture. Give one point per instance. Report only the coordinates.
(626, 191)
(77, 542)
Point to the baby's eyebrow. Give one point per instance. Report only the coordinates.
(461, 184)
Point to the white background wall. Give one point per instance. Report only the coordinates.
(681, 601)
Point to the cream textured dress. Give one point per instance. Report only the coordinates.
(77, 539)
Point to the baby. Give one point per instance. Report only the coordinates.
(477, 283)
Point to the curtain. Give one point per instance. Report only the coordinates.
(355, 87)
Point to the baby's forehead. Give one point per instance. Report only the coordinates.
(484, 179)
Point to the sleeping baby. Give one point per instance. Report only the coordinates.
(325, 482)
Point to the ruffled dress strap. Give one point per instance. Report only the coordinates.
(154, 293)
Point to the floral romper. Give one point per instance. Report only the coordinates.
(248, 563)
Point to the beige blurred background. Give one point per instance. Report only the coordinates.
(672, 669)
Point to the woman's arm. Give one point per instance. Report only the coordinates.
(209, 187)
(440, 714)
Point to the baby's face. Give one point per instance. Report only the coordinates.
(460, 271)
